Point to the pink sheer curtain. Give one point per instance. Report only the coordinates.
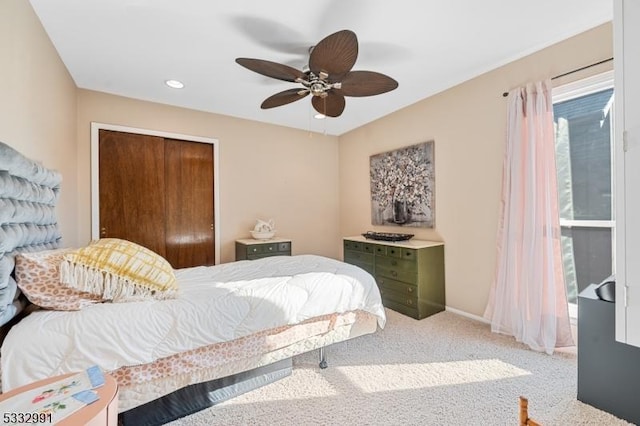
(528, 298)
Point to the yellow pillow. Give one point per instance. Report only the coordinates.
(119, 270)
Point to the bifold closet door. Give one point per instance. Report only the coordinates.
(131, 184)
(189, 203)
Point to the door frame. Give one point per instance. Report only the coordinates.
(95, 192)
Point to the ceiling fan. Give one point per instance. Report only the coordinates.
(328, 76)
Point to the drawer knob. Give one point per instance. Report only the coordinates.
(410, 289)
(409, 302)
(394, 273)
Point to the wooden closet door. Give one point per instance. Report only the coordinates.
(189, 203)
(132, 188)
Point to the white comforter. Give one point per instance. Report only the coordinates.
(216, 304)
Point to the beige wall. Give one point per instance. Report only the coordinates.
(265, 171)
(38, 103)
(468, 124)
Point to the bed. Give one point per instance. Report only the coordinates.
(229, 329)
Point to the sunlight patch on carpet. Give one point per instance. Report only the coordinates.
(393, 377)
(316, 386)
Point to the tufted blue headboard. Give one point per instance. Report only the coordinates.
(28, 195)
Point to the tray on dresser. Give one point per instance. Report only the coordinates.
(386, 236)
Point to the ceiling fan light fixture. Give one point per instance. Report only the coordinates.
(174, 84)
(328, 77)
(317, 89)
(319, 116)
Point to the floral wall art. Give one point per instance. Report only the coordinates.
(403, 186)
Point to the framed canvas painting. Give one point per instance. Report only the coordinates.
(403, 186)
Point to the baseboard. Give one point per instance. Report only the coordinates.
(466, 314)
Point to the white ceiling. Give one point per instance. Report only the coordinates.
(130, 47)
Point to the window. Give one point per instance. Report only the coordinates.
(583, 114)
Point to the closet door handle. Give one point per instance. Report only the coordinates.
(103, 232)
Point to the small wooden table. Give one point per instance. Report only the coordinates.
(103, 412)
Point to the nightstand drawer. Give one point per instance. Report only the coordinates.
(270, 248)
(284, 247)
(255, 249)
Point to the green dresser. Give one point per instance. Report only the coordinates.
(250, 249)
(410, 274)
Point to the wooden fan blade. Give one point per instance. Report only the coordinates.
(331, 105)
(335, 54)
(283, 98)
(366, 83)
(271, 69)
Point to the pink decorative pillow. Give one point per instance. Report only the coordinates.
(38, 276)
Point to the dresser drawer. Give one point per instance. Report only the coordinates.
(380, 250)
(403, 309)
(397, 274)
(366, 266)
(352, 256)
(402, 270)
(401, 264)
(408, 301)
(353, 245)
(397, 286)
(394, 251)
(368, 248)
(409, 254)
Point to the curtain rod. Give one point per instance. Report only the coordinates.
(505, 94)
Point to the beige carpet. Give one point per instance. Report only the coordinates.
(443, 370)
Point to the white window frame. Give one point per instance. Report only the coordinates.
(576, 89)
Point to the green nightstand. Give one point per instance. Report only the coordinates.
(250, 249)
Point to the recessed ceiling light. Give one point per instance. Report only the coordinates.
(174, 84)
(319, 116)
